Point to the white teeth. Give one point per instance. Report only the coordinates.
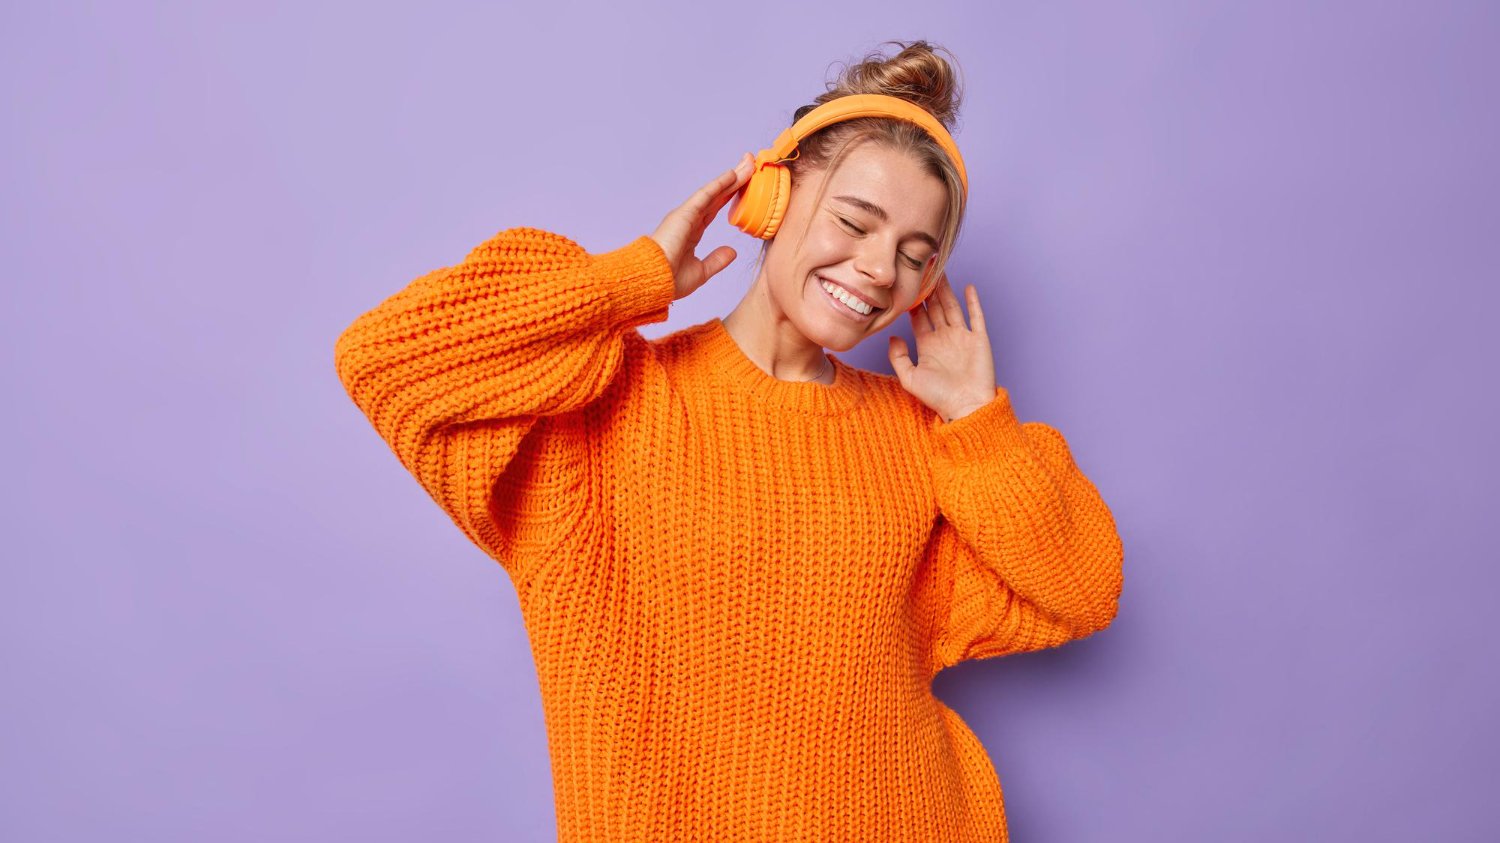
(853, 301)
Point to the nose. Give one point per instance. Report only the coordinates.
(877, 262)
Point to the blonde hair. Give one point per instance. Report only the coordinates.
(916, 74)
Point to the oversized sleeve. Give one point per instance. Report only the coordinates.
(1025, 554)
(469, 372)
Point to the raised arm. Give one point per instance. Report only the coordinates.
(475, 373)
(1026, 554)
(455, 371)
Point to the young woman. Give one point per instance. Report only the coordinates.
(740, 560)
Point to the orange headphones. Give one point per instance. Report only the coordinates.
(760, 205)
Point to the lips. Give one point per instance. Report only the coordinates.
(851, 291)
(842, 307)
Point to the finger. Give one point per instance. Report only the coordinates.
(948, 302)
(740, 176)
(697, 217)
(976, 315)
(900, 358)
(723, 186)
(721, 200)
(934, 306)
(921, 323)
(700, 209)
(717, 260)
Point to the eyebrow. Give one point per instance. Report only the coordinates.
(871, 208)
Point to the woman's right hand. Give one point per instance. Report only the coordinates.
(680, 230)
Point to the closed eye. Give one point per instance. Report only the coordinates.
(914, 263)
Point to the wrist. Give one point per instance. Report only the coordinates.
(964, 409)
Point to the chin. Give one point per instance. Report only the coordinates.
(829, 333)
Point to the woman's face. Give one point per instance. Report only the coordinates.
(873, 236)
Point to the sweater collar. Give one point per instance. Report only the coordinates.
(739, 372)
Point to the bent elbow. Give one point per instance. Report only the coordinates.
(1109, 582)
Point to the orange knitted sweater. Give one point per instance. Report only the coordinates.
(737, 589)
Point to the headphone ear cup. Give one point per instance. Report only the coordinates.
(781, 197)
(761, 203)
(744, 211)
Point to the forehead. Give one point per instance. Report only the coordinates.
(911, 198)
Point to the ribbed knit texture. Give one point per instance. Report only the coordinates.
(737, 589)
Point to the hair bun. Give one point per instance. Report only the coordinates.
(916, 74)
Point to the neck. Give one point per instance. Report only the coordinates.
(773, 343)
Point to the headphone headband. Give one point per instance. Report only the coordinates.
(867, 105)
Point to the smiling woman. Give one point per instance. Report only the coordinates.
(721, 657)
(876, 203)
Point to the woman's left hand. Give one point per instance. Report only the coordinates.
(955, 370)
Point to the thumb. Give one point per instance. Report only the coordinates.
(900, 360)
(717, 260)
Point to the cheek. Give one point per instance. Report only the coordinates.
(832, 244)
(818, 251)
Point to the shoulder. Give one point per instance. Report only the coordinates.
(685, 355)
(656, 367)
(673, 347)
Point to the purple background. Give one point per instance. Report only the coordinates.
(1233, 251)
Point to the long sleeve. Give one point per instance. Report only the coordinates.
(471, 365)
(1026, 552)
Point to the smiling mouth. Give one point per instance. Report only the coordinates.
(842, 299)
